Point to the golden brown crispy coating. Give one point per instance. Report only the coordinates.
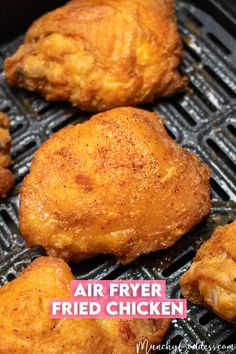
(4, 121)
(25, 325)
(100, 54)
(6, 181)
(115, 184)
(211, 279)
(6, 177)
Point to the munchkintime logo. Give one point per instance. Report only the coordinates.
(118, 298)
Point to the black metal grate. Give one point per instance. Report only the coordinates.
(204, 122)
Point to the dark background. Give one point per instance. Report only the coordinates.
(17, 15)
(229, 5)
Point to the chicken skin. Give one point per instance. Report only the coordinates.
(115, 184)
(6, 177)
(211, 279)
(25, 325)
(101, 54)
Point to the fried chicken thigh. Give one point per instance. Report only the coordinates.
(115, 184)
(6, 177)
(100, 54)
(211, 279)
(25, 325)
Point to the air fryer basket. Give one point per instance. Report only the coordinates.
(204, 122)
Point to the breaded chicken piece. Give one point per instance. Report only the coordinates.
(211, 279)
(25, 325)
(100, 54)
(115, 184)
(6, 177)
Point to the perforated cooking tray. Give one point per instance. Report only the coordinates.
(204, 122)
